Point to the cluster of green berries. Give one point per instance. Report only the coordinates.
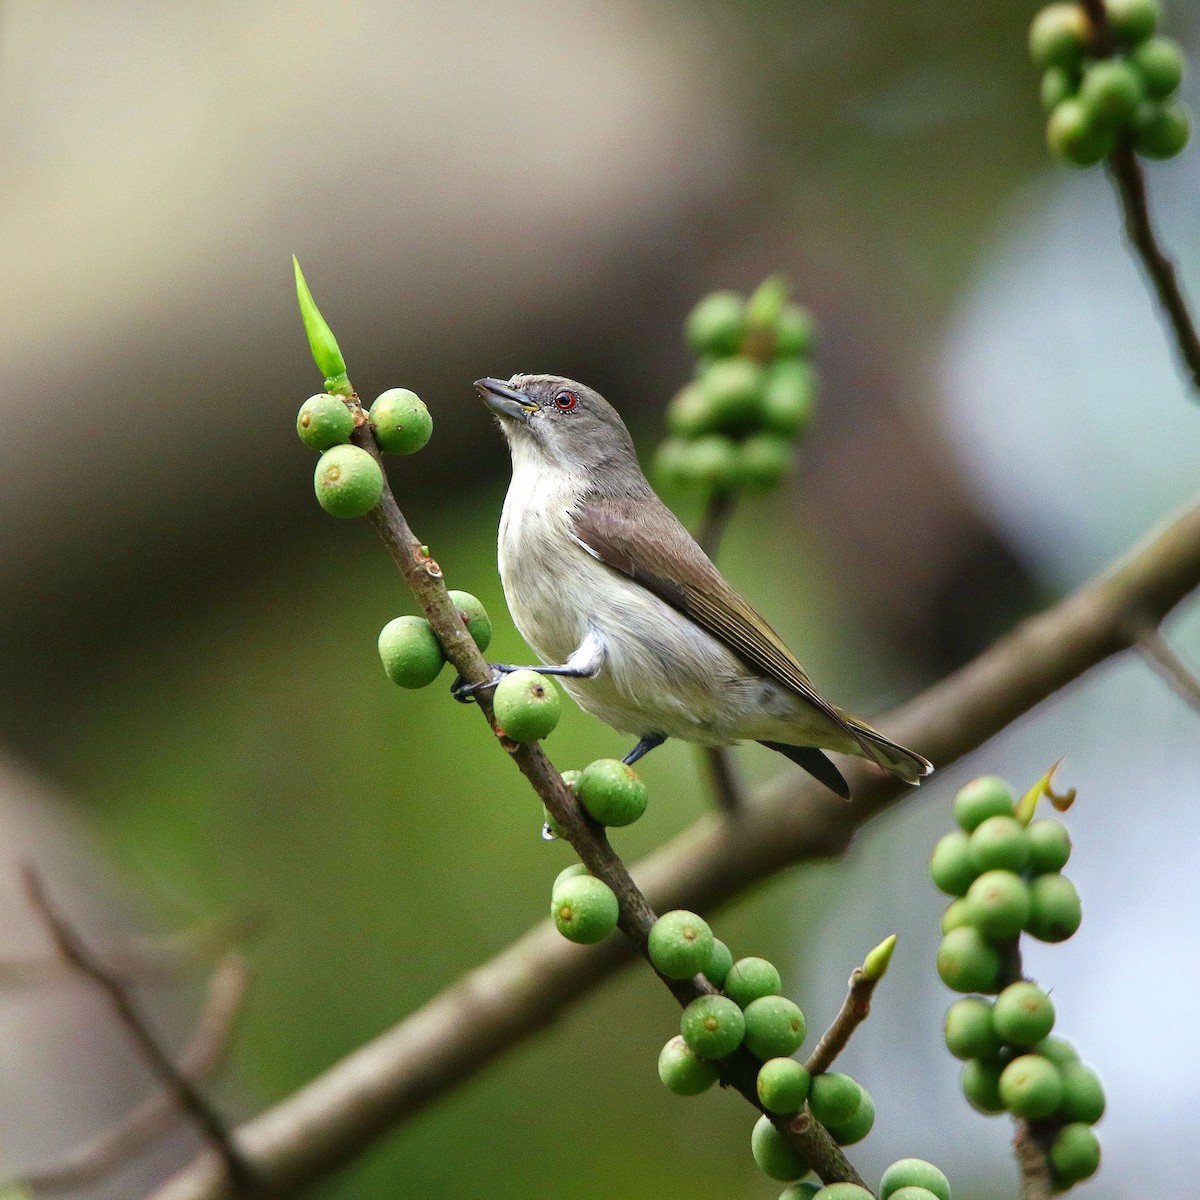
(348, 480)
(1005, 877)
(733, 426)
(1094, 100)
(908, 1179)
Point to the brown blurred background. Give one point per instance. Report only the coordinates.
(190, 699)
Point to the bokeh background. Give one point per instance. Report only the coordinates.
(193, 719)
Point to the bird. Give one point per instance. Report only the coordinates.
(620, 602)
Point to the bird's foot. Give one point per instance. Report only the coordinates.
(464, 692)
(648, 743)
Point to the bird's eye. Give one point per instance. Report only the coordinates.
(566, 401)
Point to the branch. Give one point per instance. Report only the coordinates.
(717, 514)
(854, 1011)
(1156, 650)
(142, 1126)
(181, 1090)
(525, 988)
(1037, 1181)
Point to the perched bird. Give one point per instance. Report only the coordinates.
(616, 596)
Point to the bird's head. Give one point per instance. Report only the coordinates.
(559, 423)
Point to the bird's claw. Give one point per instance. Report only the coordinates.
(464, 692)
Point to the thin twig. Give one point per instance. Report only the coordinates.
(142, 1126)
(1157, 651)
(527, 987)
(182, 1091)
(854, 1011)
(1037, 1180)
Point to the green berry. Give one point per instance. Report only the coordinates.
(1161, 130)
(1083, 1094)
(1073, 135)
(1031, 1087)
(1132, 20)
(401, 421)
(1111, 91)
(957, 913)
(987, 796)
(612, 793)
(842, 1191)
(719, 963)
(981, 1085)
(782, 1085)
(806, 1191)
(968, 1029)
(680, 943)
(474, 616)
(775, 1027)
(571, 872)
(950, 866)
(1159, 61)
(712, 462)
(324, 421)
(750, 978)
(690, 414)
(1049, 846)
(999, 904)
(670, 464)
(717, 324)
(526, 706)
(584, 909)
(682, 1072)
(847, 1133)
(348, 482)
(733, 386)
(1058, 1050)
(1022, 1014)
(763, 460)
(765, 304)
(914, 1172)
(834, 1098)
(713, 1026)
(967, 962)
(1074, 1154)
(1059, 36)
(411, 654)
(795, 332)
(913, 1193)
(1000, 844)
(772, 1153)
(1055, 913)
(1058, 84)
(787, 399)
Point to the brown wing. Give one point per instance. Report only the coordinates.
(654, 550)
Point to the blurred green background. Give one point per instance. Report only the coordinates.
(191, 701)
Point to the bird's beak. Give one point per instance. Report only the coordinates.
(505, 401)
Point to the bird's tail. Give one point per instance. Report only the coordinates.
(891, 756)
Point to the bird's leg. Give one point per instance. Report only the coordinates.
(584, 663)
(648, 743)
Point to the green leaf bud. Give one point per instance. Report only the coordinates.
(526, 706)
(680, 943)
(1160, 63)
(401, 421)
(717, 324)
(1031, 1087)
(987, 796)
(749, 978)
(967, 962)
(1083, 1094)
(682, 1072)
(968, 1029)
(950, 866)
(348, 482)
(765, 304)
(1074, 1154)
(795, 332)
(719, 963)
(584, 909)
(775, 1027)
(782, 1085)
(1074, 135)
(834, 1098)
(1055, 913)
(848, 1133)
(876, 963)
(1000, 844)
(1132, 20)
(981, 1085)
(734, 387)
(1049, 846)
(999, 904)
(411, 655)
(1161, 130)
(914, 1172)
(613, 794)
(1023, 1014)
(324, 421)
(774, 1156)
(1060, 36)
(321, 341)
(789, 387)
(713, 1026)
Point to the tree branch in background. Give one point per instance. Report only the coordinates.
(142, 1126)
(181, 1090)
(1157, 651)
(525, 988)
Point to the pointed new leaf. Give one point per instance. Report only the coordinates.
(324, 345)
